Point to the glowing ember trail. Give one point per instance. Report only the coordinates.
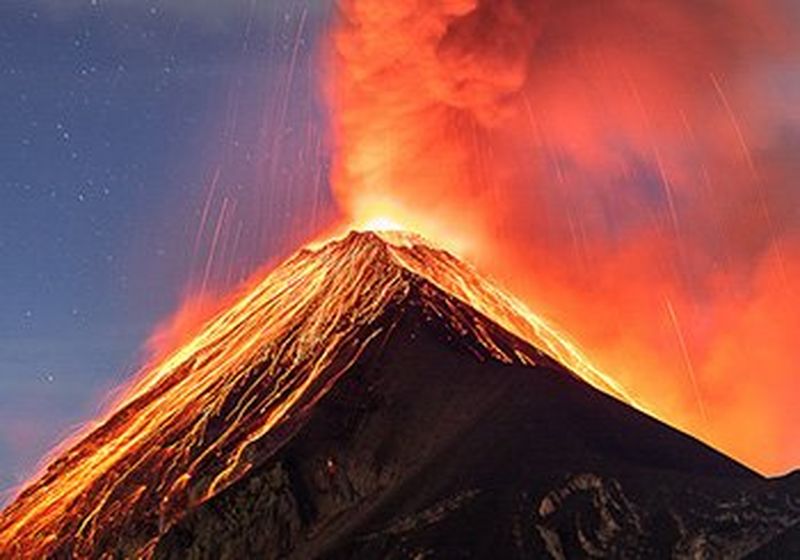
(201, 418)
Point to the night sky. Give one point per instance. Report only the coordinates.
(147, 149)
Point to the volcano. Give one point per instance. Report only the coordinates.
(377, 398)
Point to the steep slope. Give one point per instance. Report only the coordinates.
(188, 428)
(429, 447)
(378, 398)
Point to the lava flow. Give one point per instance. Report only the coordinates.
(200, 419)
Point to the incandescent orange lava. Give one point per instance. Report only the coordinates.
(201, 417)
(627, 168)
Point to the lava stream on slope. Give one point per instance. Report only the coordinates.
(189, 426)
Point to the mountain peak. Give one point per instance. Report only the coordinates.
(198, 420)
(324, 390)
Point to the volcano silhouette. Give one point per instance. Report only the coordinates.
(377, 398)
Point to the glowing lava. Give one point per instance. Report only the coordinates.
(381, 223)
(201, 418)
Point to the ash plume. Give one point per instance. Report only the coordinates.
(626, 166)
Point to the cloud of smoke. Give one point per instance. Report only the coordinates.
(626, 166)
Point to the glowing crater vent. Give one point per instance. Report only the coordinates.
(209, 412)
(380, 224)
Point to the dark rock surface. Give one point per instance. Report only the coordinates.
(429, 448)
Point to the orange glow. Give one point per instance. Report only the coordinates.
(201, 417)
(381, 223)
(383, 214)
(624, 168)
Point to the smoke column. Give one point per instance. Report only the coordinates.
(627, 167)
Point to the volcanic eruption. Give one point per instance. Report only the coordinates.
(644, 150)
(187, 427)
(374, 396)
(225, 404)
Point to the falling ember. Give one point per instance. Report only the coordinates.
(686, 358)
(203, 416)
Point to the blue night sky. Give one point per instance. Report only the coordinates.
(123, 124)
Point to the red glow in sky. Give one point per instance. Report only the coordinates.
(625, 167)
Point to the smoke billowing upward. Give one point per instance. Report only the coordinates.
(627, 167)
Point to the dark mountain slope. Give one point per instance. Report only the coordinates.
(429, 447)
(377, 398)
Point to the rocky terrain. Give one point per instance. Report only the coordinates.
(377, 398)
(430, 449)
